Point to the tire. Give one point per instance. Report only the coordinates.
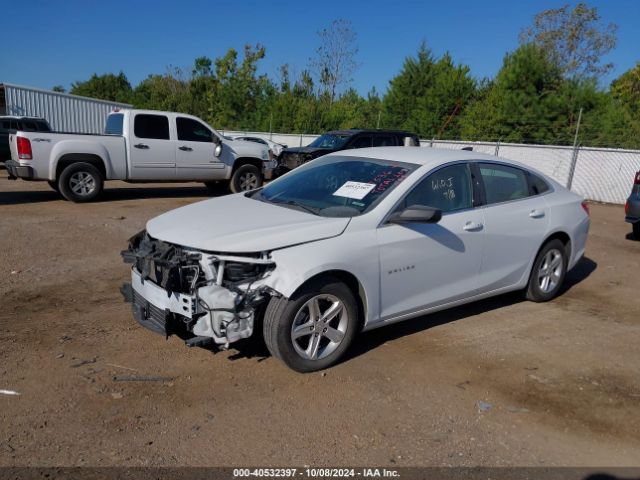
(636, 231)
(80, 182)
(53, 185)
(548, 272)
(304, 353)
(246, 177)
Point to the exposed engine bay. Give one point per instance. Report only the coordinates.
(210, 297)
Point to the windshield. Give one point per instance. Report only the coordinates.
(330, 140)
(336, 186)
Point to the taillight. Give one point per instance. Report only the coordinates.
(24, 148)
(585, 207)
(626, 207)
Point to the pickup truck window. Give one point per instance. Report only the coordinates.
(191, 130)
(114, 124)
(151, 126)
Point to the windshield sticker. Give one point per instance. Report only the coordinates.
(355, 190)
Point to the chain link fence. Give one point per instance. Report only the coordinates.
(598, 174)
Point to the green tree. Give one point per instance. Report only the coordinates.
(575, 40)
(58, 88)
(522, 104)
(428, 95)
(104, 87)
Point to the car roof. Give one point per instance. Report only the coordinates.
(355, 131)
(16, 117)
(432, 157)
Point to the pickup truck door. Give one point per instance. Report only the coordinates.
(152, 153)
(195, 159)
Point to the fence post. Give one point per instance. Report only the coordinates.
(572, 167)
(497, 148)
(574, 157)
(300, 140)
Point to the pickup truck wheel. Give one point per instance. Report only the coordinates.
(313, 329)
(80, 182)
(245, 178)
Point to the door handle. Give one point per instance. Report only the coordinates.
(536, 214)
(184, 148)
(142, 146)
(472, 227)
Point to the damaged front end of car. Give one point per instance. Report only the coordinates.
(202, 297)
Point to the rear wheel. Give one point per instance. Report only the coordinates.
(548, 272)
(80, 182)
(245, 178)
(636, 231)
(313, 329)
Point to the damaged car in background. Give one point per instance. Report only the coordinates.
(349, 242)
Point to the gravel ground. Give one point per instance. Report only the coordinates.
(495, 383)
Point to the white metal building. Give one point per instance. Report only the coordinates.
(64, 112)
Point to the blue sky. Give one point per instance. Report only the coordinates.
(48, 43)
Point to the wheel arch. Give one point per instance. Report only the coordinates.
(256, 162)
(351, 281)
(70, 158)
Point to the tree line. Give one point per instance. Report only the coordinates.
(536, 96)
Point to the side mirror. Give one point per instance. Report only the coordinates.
(416, 214)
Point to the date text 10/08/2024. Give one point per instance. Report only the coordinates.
(316, 472)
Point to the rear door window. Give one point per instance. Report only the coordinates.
(503, 183)
(363, 141)
(384, 141)
(537, 184)
(151, 126)
(190, 130)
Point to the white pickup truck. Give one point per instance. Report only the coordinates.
(138, 146)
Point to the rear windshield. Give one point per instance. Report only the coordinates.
(114, 124)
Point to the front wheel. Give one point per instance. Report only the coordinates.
(245, 178)
(312, 330)
(80, 182)
(548, 272)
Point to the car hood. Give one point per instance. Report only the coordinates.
(307, 150)
(235, 223)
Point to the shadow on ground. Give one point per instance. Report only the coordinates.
(255, 347)
(113, 194)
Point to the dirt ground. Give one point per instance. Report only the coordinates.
(498, 382)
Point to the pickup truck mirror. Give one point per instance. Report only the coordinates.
(416, 214)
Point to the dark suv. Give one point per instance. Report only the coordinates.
(11, 124)
(291, 158)
(632, 207)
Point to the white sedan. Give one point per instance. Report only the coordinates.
(353, 241)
